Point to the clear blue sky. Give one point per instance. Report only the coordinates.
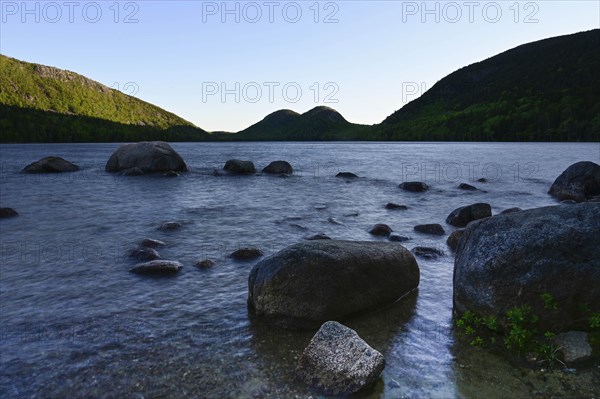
(179, 52)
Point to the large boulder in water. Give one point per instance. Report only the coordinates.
(149, 157)
(50, 165)
(279, 168)
(312, 282)
(338, 362)
(513, 259)
(460, 217)
(578, 182)
(239, 167)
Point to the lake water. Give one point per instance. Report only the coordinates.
(76, 323)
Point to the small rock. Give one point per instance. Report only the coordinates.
(347, 175)
(319, 236)
(462, 216)
(573, 346)
(157, 267)
(338, 362)
(427, 252)
(465, 186)
(511, 210)
(381, 230)
(435, 229)
(414, 186)
(246, 254)
(8, 213)
(482, 180)
(239, 167)
(150, 243)
(170, 226)
(50, 165)
(144, 254)
(279, 168)
(391, 205)
(453, 238)
(398, 238)
(205, 264)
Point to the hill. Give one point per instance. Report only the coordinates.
(541, 91)
(320, 123)
(39, 103)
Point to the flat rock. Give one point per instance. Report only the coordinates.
(51, 165)
(157, 267)
(312, 282)
(338, 362)
(147, 156)
(392, 206)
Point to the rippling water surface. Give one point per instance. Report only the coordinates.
(76, 323)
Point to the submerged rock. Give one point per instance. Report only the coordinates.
(8, 213)
(144, 254)
(391, 205)
(513, 259)
(427, 252)
(319, 236)
(398, 238)
(246, 254)
(578, 182)
(465, 186)
(482, 180)
(50, 165)
(150, 243)
(453, 239)
(414, 186)
(312, 282)
(239, 167)
(205, 264)
(434, 229)
(347, 175)
(381, 230)
(279, 168)
(157, 267)
(338, 362)
(460, 217)
(170, 226)
(147, 156)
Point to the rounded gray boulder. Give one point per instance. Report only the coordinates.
(578, 182)
(240, 167)
(147, 157)
(279, 168)
(513, 259)
(312, 282)
(462, 216)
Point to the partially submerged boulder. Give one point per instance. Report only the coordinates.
(144, 254)
(312, 282)
(246, 253)
(381, 230)
(279, 168)
(8, 213)
(427, 252)
(147, 157)
(157, 267)
(51, 165)
(414, 186)
(432, 228)
(467, 187)
(460, 217)
(338, 362)
(239, 167)
(151, 243)
(513, 259)
(347, 175)
(393, 206)
(578, 182)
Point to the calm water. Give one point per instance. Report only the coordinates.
(76, 323)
